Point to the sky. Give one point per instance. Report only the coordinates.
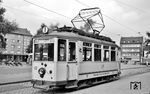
(122, 18)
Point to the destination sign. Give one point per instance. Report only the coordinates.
(44, 41)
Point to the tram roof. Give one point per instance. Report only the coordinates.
(74, 37)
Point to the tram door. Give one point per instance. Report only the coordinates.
(72, 62)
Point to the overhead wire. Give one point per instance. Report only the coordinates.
(83, 5)
(109, 17)
(131, 6)
(47, 9)
(25, 12)
(69, 17)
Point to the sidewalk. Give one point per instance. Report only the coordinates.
(129, 66)
(10, 74)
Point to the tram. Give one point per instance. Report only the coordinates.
(67, 57)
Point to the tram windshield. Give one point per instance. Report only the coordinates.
(44, 52)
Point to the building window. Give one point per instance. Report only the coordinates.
(19, 36)
(18, 41)
(13, 40)
(61, 50)
(19, 47)
(12, 46)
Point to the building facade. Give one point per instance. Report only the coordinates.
(17, 42)
(132, 49)
(146, 57)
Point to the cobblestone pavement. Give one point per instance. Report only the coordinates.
(26, 87)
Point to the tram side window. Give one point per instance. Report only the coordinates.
(87, 54)
(97, 52)
(106, 53)
(38, 52)
(113, 55)
(72, 51)
(51, 52)
(87, 51)
(61, 50)
(44, 52)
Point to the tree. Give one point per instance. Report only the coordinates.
(146, 43)
(147, 40)
(87, 25)
(51, 27)
(5, 27)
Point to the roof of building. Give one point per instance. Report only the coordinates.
(131, 40)
(22, 31)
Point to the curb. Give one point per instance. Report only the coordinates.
(135, 68)
(14, 82)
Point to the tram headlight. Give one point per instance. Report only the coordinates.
(42, 72)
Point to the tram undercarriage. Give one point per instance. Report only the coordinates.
(46, 85)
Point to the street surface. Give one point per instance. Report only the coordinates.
(121, 86)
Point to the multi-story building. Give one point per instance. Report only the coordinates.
(132, 48)
(146, 56)
(17, 42)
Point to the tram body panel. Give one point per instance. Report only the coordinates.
(72, 71)
(61, 71)
(97, 69)
(49, 68)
